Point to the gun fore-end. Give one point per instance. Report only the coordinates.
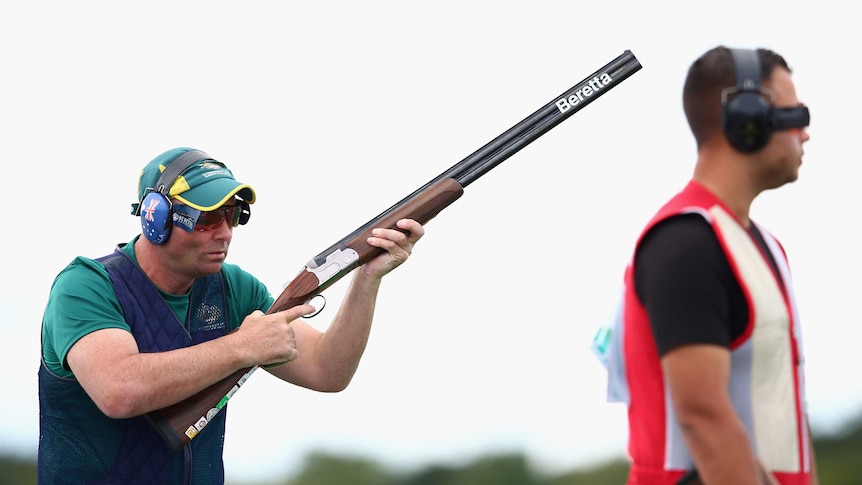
(327, 268)
(422, 208)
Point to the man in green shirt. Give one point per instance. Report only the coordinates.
(165, 316)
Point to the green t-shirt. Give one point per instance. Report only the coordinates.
(82, 300)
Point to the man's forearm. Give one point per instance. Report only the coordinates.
(327, 361)
(721, 452)
(143, 382)
(341, 347)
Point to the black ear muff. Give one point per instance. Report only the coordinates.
(746, 110)
(155, 207)
(244, 212)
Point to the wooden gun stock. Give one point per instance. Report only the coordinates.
(181, 422)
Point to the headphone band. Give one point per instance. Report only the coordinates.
(176, 168)
(747, 67)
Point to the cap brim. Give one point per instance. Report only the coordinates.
(212, 194)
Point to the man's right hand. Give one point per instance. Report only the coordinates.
(267, 339)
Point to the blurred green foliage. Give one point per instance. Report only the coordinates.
(838, 456)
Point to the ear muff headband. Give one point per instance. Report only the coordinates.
(746, 108)
(155, 208)
(176, 168)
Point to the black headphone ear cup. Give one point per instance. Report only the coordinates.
(245, 212)
(156, 215)
(746, 121)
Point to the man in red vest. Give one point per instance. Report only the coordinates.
(709, 355)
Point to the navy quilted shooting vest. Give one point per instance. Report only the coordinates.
(78, 444)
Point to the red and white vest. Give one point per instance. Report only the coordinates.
(766, 383)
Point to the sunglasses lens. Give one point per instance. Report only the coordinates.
(789, 118)
(212, 219)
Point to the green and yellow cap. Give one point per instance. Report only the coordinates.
(205, 185)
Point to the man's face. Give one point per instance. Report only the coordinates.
(203, 250)
(783, 154)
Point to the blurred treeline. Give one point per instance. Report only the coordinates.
(839, 460)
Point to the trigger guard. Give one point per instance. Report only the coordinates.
(317, 311)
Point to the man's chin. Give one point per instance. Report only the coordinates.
(212, 264)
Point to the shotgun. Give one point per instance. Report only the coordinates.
(181, 422)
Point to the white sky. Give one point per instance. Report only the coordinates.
(333, 111)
